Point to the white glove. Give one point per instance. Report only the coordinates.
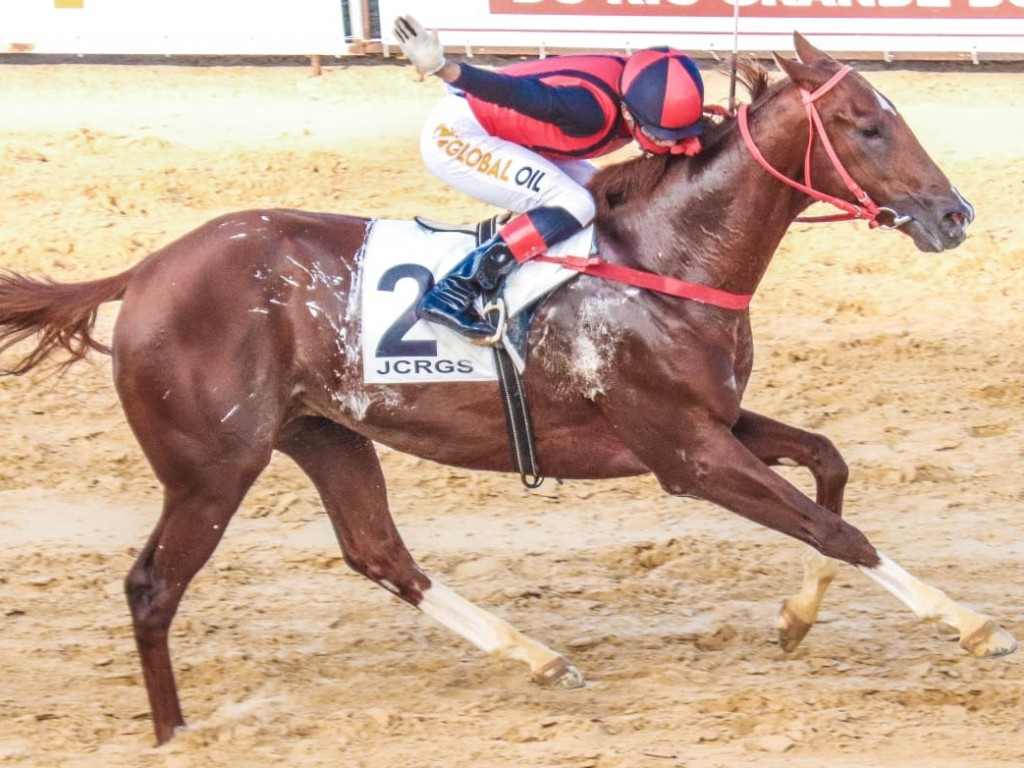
(422, 48)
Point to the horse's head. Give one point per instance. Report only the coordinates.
(879, 152)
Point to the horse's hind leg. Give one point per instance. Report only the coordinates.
(206, 463)
(197, 509)
(777, 444)
(344, 467)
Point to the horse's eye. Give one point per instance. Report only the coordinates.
(871, 132)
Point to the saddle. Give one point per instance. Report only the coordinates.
(482, 231)
(508, 359)
(401, 260)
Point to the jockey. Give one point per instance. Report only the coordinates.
(520, 137)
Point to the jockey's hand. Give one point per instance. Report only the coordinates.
(421, 47)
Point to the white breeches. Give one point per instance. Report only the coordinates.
(457, 150)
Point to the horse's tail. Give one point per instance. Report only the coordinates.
(62, 315)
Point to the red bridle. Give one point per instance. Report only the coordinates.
(867, 209)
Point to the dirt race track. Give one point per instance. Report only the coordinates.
(910, 362)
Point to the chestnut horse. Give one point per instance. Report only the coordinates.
(218, 362)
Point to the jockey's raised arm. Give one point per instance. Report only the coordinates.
(521, 138)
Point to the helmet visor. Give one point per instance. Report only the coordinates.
(670, 134)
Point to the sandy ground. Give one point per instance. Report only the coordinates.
(911, 362)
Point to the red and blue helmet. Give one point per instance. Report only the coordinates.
(664, 92)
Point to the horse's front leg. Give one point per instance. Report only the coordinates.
(707, 460)
(778, 444)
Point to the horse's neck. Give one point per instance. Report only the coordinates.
(756, 209)
(718, 219)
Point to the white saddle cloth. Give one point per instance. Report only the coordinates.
(400, 261)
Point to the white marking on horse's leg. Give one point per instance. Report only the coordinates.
(800, 611)
(492, 635)
(979, 635)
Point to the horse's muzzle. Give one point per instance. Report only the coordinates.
(944, 230)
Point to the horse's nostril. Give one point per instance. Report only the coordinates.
(965, 208)
(958, 219)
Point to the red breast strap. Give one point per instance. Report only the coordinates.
(668, 285)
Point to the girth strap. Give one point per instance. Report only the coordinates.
(517, 419)
(513, 398)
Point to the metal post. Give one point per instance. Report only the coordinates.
(735, 54)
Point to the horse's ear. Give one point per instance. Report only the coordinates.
(803, 75)
(807, 53)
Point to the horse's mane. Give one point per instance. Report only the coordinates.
(618, 183)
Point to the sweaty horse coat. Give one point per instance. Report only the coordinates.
(219, 361)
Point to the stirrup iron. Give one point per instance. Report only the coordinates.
(496, 305)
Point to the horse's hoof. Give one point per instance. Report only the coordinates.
(558, 673)
(792, 629)
(989, 641)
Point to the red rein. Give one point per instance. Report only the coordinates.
(866, 210)
(652, 282)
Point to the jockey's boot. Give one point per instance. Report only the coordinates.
(450, 301)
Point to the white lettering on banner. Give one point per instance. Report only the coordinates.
(825, 4)
(899, 8)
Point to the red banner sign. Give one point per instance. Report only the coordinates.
(829, 9)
